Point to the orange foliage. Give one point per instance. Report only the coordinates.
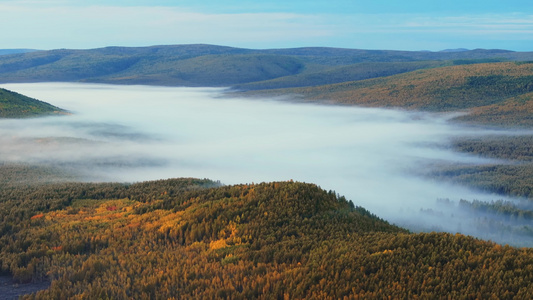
(37, 216)
(219, 244)
(112, 208)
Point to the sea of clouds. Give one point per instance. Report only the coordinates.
(138, 133)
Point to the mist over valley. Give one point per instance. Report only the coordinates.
(378, 158)
(275, 150)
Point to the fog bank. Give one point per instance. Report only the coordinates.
(137, 133)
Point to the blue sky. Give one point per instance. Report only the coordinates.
(377, 24)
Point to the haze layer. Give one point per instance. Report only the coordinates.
(137, 133)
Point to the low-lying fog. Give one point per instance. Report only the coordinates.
(137, 133)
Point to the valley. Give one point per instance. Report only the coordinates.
(430, 150)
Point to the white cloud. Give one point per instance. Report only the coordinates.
(415, 22)
(94, 26)
(513, 23)
(437, 32)
(72, 24)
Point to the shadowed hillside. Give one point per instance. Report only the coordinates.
(338, 74)
(208, 65)
(14, 105)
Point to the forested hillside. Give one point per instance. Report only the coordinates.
(14, 105)
(494, 93)
(335, 74)
(185, 238)
(209, 65)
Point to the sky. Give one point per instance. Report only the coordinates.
(377, 24)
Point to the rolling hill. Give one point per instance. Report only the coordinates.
(495, 93)
(209, 65)
(189, 238)
(14, 105)
(336, 74)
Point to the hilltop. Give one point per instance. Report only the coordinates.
(14, 105)
(190, 238)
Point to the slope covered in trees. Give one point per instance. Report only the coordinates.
(513, 111)
(209, 65)
(184, 238)
(508, 174)
(336, 74)
(482, 87)
(14, 105)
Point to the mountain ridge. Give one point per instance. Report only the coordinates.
(150, 65)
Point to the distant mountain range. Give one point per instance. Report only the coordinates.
(209, 65)
(14, 51)
(491, 82)
(455, 50)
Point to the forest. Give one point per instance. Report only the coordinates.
(240, 68)
(14, 105)
(191, 238)
(509, 174)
